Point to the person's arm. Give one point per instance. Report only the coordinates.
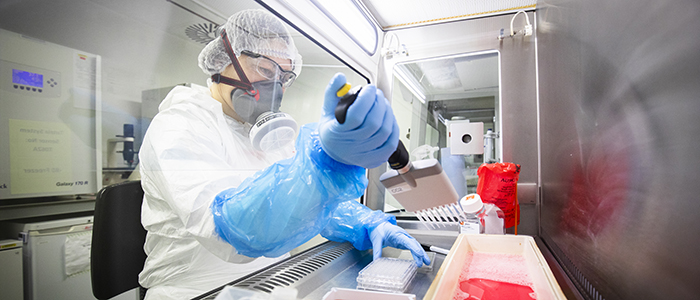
(367, 137)
(287, 204)
(182, 169)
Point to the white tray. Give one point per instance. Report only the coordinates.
(447, 279)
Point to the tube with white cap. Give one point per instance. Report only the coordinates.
(481, 217)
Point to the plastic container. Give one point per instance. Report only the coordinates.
(447, 279)
(407, 255)
(387, 274)
(481, 217)
(348, 294)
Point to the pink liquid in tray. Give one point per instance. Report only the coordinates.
(495, 276)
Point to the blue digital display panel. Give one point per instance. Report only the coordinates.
(27, 78)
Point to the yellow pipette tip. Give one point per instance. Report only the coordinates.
(343, 90)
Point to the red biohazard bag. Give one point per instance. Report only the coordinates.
(498, 184)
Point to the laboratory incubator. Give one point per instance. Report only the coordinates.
(595, 101)
(51, 119)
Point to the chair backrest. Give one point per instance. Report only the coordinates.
(117, 255)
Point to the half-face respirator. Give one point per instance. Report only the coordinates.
(258, 103)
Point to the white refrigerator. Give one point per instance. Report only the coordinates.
(56, 258)
(11, 266)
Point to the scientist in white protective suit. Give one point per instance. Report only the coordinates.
(222, 201)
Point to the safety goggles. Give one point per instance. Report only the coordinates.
(269, 69)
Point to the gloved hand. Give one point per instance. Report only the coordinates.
(387, 234)
(370, 133)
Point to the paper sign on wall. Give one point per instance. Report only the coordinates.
(40, 157)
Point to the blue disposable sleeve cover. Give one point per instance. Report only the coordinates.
(288, 203)
(353, 222)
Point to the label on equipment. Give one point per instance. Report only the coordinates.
(468, 227)
(400, 188)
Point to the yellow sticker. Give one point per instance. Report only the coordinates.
(9, 246)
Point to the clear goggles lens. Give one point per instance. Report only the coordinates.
(270, 69)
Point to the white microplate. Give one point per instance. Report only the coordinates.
(407, 255)
(387, 274)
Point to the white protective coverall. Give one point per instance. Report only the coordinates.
(191, 152)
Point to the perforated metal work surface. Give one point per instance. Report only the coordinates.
(304, 272)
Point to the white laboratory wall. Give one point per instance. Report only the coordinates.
(304, 99)
(402, 105)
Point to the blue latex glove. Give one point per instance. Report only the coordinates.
(370, 133)
(365, 228)
(387, 234)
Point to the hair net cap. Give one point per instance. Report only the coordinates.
(254, 30)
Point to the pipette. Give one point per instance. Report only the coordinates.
(421, 187)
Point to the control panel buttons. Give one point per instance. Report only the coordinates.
(30, 89)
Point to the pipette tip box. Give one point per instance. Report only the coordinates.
(387, 274)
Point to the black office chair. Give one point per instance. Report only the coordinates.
(117, 255)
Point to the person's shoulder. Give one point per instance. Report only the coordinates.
(190, 93)
(190, 100)
(189, 109)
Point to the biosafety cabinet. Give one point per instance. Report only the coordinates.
(597, 101)
(599, 107)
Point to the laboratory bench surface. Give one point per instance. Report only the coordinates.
(314, 272)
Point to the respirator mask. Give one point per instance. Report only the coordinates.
(258, 103)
